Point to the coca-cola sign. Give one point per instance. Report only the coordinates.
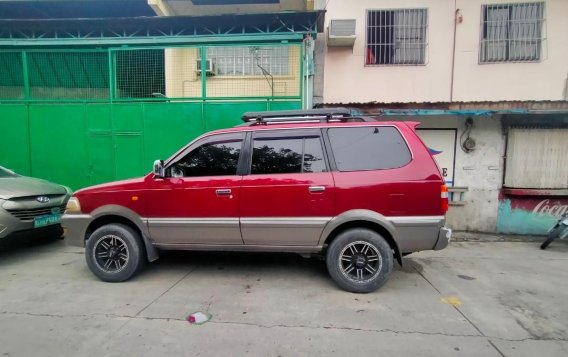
(529, 214)
(545, 207)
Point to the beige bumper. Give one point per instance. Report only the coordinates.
(444, 238)
(75, 226)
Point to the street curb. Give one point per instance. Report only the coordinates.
(463, 236)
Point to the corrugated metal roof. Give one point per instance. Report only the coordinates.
(30, 9)
(302, 21)
(279, 26)
(516, 106)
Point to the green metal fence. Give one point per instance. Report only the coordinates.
(12, 81)
(157, 73)
(82, 117)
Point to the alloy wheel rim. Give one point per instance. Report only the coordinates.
(111, 254)
(360, 262)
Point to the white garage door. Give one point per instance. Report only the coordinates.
(537, 158)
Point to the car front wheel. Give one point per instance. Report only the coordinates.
(359, 260)
(114, 252)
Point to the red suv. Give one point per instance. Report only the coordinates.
(361, 192)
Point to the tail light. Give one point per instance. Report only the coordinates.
(444, 196)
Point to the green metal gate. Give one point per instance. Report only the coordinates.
(82, 117)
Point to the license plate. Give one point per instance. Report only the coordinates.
(47, 220)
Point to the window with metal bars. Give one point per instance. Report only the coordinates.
(249, 61)
(511, 32)
(396, 37)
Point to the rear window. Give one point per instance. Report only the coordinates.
(368, 148)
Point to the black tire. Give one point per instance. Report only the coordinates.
(356, 248)
(124, 248)
(551, 236)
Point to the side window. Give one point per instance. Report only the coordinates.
(368, 148)
(287, 155)
(215, 158)
(313, 156)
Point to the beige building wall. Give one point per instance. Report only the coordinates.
(543, 80)
(183, 80)
(347, 79)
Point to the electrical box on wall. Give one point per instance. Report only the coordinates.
(341, 33)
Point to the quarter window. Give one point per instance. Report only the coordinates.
(396, 37)
(287, 155)
(313, 156)
(368, 148)
(512, 32)
(216, 158)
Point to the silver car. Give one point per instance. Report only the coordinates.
(30, 207)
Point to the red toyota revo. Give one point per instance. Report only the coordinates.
(361, 192)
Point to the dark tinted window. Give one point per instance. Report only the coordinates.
(287, 155)
(368, 148)
(215, 158)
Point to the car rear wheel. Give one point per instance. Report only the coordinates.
(114, 252)
(359, 260)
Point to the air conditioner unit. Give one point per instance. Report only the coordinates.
(210, 69)
(341, 33)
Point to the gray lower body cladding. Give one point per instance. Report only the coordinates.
(286, 234)
(418, 233)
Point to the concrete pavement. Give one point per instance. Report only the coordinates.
(474, 298)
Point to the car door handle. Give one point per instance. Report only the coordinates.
(223, 192)
(314, 189)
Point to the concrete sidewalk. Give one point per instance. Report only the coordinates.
(472, 299)
(462, 236)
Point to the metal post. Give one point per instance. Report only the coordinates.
(203, 56)
(111, 76)
(203, 72)
(26, 75)
(302, 71)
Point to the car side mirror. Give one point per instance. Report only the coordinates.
(159, 169)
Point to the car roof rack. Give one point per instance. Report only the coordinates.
(310, 115)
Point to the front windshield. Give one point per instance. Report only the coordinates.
(5, 173)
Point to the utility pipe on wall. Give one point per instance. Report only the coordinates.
(458, 18)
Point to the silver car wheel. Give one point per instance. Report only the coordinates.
(111, 254)
(360, 262)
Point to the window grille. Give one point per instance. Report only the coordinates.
(511, 32)
(140, 73)
(396, 37)
(249, 61)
